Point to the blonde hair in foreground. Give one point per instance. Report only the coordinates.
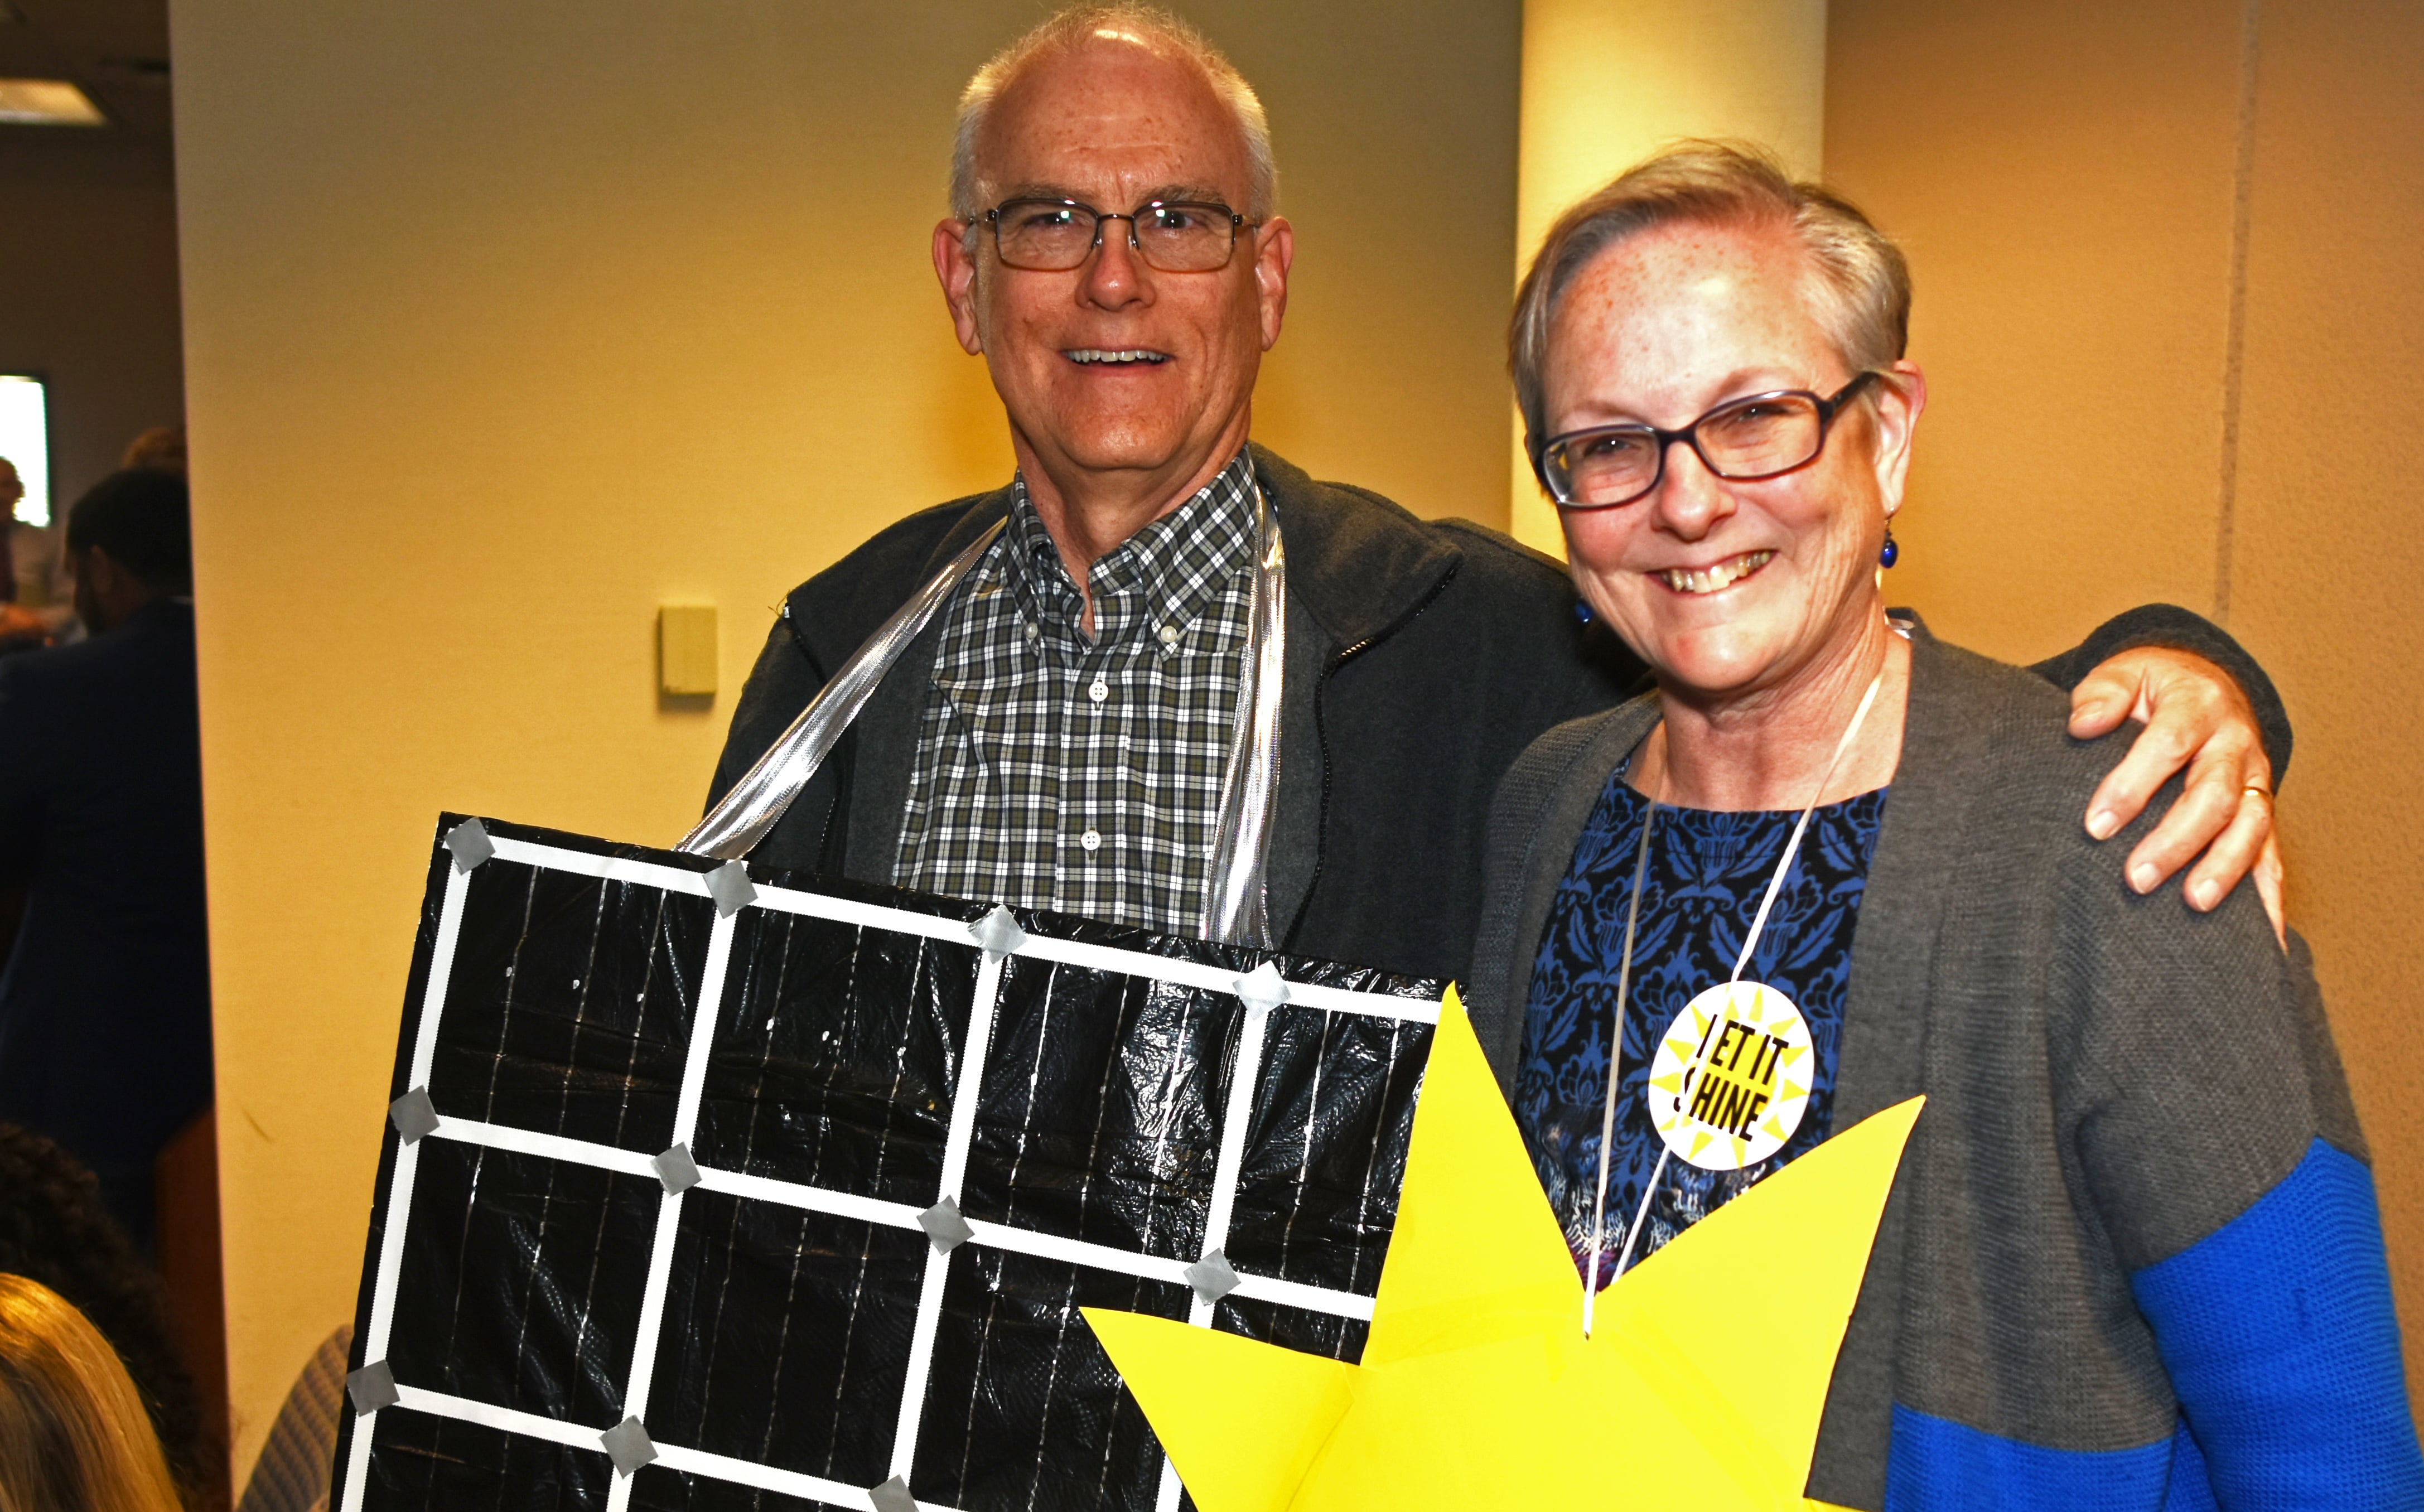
(73, 1435)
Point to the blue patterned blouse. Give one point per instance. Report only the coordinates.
(1707, 873)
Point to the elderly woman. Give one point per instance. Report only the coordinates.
(2133, 1259)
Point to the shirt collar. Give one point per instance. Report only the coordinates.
(1166, 573)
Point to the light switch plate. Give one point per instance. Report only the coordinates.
(686, 649)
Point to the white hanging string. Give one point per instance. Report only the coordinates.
(1700, 1056)
(1615, 1064)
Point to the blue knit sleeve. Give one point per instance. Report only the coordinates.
(2282, 1344)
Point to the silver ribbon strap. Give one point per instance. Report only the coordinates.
(1236, 906)
(1237, 909)
(758, 801)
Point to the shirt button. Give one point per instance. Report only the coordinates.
(1170, 635)
(1099, 692)
(1092, 839)
(1030, 635)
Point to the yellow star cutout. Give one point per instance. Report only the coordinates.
(1703, 1378)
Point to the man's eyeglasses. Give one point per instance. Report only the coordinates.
(1742, 440)
(1173, 235)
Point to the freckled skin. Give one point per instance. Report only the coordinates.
(1107, 450)
(1660, 328)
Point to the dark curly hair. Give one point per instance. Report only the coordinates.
(139, 515)
(54, 1230)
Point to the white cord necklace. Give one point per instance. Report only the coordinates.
(1709, 1039)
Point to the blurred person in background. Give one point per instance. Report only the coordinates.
(37, 607)
(36, 599)
(73, 1437)
(19, 628)
(104, 1004)
(161, 448)
(54, 1230)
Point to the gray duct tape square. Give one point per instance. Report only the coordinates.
(414, 1116)
(675, 1169)
(470, 844)
(729, 885)
(1212, 1277)
(372, 1387)
(627, 1444)
(945, 1227)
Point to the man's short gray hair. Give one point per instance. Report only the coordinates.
(1861, 285)
(1156, 29)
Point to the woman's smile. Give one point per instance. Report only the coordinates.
(1717, 579)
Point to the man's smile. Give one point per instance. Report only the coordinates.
(1123, 357)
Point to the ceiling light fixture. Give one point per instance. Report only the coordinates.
(46, 103)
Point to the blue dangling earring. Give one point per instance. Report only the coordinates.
(1582, 611)
(1892, 553)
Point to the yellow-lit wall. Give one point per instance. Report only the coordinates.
(2169, 306)
(506, 324)
(2323, 534)
(1608, 81)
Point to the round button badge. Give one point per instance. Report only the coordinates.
(1731, 1079)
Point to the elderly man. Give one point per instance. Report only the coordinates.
(1073, 727)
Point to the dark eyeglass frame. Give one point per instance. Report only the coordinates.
(1829, 407)
(1214, 207)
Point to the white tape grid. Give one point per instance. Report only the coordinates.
(1105, 959)
(955, 1170)
(1243, 1084)
(899, 1215)
(669, 1205)
(695, 1462)
(407, 1161)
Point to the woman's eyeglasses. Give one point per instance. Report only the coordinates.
(1763, 436)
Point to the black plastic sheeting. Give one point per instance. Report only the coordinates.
(786, 1337)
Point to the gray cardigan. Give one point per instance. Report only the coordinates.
(2110, 1077)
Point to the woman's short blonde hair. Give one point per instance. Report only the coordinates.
(1861, 285)
(1153, 28)
(73, 1435)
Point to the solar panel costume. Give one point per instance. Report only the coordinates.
(707, 1188)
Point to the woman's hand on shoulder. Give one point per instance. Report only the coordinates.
(2195, 717)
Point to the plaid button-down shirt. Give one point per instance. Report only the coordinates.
(1084, 776)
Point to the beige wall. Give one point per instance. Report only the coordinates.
(507, 323)
(88, 293)
(2072, 181)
